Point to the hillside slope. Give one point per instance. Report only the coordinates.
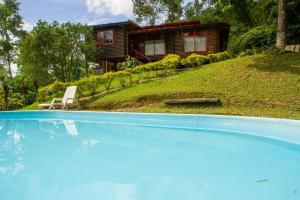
(261, 85)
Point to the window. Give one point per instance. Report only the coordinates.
(105, 38)
(155, 47)
(194, 42)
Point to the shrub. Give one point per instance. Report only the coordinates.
(56, 89)
(107, 79)
(15, 101)
(130, 62)
(171, 61)
(222, 56)
(135, 76)
(212, 58)
(194, 60)
(123, 77)
(257, 38)
(89, 84)
(219, 57)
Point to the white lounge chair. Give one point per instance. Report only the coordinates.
(63, 103)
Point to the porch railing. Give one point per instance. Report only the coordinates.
(141, 55)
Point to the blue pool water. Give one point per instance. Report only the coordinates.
(123, 156)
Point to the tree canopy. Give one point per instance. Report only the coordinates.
(54, 51)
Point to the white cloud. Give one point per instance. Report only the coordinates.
(113, 7)
(27, 26)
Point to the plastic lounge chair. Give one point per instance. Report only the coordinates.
(63, 103)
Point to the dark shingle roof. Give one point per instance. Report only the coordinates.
(125, 24)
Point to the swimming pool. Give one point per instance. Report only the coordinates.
(125, 156)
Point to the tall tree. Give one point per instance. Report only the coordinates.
(149, 12)
(10, 30)
(174, 9)
(281, 36)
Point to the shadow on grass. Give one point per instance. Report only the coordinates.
(281, 62)
(195, 106)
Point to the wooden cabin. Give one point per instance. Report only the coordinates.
(152, 43)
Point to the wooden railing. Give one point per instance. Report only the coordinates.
(141, 55)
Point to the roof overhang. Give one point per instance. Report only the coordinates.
(180, 27)
(127, 25)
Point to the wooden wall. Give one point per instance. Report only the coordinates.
(173, 39)
(119, 47)
(212, 41)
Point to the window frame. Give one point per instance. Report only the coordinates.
(103, 43)
(194, 35)
(154, 43)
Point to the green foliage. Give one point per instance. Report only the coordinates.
(54, 90)
(15, 101)
(153, 11)
(219, 57)
(195, 60)
(107, 79)
(259, 37)
(89, 84)
(130, 62)
(10, 32)
(171, 61)
(124, 78)
(57, 51)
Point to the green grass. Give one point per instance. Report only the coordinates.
(30, 107)
(261, 85)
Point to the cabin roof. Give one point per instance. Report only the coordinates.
(172, 25)
(179, 26)
(129, 25)
(136, 29)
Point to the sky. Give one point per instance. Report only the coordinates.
(85, 11)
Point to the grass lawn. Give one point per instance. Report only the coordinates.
(261, 85)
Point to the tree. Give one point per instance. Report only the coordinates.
(281, 37)
(57, 52)
(174, 10)
(148, 11)
(35, 57)
(10, 30)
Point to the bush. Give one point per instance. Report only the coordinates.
(15, 101)
(89, 84)
(171, 61)
(212, 58)
(219, 57)
(194, 60)
(224, 56)
(123, 77)
(257, 38)
(135, 76)
(56, 89)
(130, 62)
(107, 79)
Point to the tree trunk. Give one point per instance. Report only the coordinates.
(36, 87)
(86, 68)
(6, 93)
(9, 65)
(281, 37)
